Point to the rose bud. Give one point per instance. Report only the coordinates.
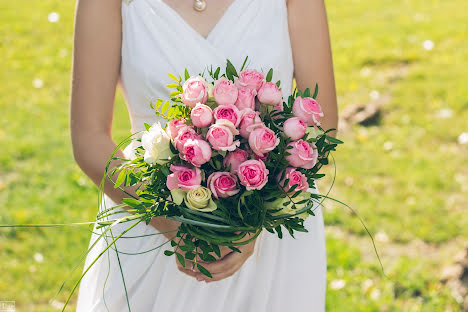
(201, 115)
(250, 120)
(263, 140)
(173, 127)
(222, 184)
(308, 110)
(269, 94)
(185, 134)
(195, 90)
(184, 178)
(294, 128)
(221, 136)
(246, 99)
(303, 154)
(225, 92)
(249, 79)
(294, 177)
(196, 152)
(253, 174)
(235, 158)
(228, 112)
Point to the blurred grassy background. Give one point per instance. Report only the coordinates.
(406, 176)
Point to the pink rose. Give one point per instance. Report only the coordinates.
(202, 115)
(234, 159)
(195, 90)
(308, 110)
(184, 178)
(249, 79)
(294, 128)
(196, 152)
(303, 154)
(246, 99)
(185, 134)
(263, 140)
(294, 177)
(228, 112)
(221, 136)
(174, 126)
(224, 92)
(250, 120)
(269, 94)
(253, 174)
(222, 184)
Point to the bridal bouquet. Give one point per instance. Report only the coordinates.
(233, 159)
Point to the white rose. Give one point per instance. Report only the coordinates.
(156, 143)
(200, 199)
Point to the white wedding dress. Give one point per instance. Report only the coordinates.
(282, 275)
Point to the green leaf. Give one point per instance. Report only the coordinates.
(315, 91)
(165, 106)
(307, 92)
(181, 259)
(168, 252)
(173, 77)
(216, 73)
(245, 61)
(131, 202)
(189, 255)
(147, 126)
(334, 140)
(203, 270)
(278, 83)
(278, 230)
(207, 257)
(187, 76)
(216, 250)
(186, 247)
(120, 178)
(235, 249)
(231, 68)
(269, 76)
(172, 85)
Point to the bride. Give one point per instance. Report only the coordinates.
(135, 43)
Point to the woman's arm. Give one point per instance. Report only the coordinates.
(96, 68)
(310, 41)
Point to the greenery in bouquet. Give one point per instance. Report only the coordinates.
(232, 160)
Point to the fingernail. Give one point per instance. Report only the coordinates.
(199, 278)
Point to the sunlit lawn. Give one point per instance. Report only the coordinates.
(405, 176)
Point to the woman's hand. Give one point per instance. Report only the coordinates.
(191, 269)
(229, 264)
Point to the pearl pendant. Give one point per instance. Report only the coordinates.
(199, 5)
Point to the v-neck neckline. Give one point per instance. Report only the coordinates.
(192, 29)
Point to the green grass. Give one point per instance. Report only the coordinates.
(411, 194)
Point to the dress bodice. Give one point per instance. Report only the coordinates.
(156, 41)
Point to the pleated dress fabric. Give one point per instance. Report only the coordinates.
(283, 274)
